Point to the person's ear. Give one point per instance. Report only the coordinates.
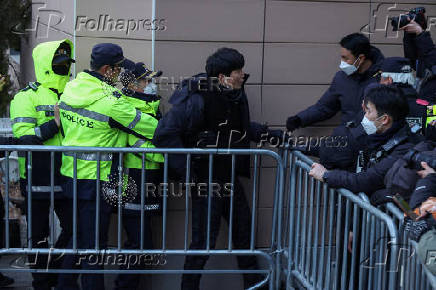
(104, 69)
(386, 119)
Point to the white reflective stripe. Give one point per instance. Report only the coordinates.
(136, 206)
(138, 143)
(136, 120)
(44, 108)
(38, 132)
(57, 188)
(24, 120)
(90, 156)
(85, 113)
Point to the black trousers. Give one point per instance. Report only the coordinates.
(220, 207)
(40, 232)
(132, 226)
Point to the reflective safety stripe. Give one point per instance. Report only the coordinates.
(24, 120)
(135, 206)
(90, 156)
(44, 108)
(85, 113)
(38, 132)
(139, 143)
(57, 188)
(136, 120)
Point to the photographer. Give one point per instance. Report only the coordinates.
(420, 49)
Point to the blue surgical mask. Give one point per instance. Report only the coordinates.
(347, 68)
(151, 89)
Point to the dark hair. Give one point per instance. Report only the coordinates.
(224, 61)
(388, 99)
(94, 67)
(357, 43)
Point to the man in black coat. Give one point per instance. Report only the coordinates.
(360, 63)
(420, 49)
(210, 110)
(389, 138)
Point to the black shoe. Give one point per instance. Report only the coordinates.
(5, 280)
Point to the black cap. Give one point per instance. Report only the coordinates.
(107, 54)
(396, 65)
(141, 71)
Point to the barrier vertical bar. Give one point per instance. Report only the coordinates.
(120, 200)
(232, 191)
(52, 226)
(29, 199)
(188, 191)
(209, 201)
(75, 201)
(165, 201)
(7, 201)
(316, 238)
(141, 242)
(253, 206)
(97, 203)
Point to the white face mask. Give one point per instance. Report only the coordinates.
(369, 126)
(151, 89)
(347, 68)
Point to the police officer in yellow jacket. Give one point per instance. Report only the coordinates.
(140, 91)
(95, 113)
(35, 121)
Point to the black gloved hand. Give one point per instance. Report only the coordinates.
(207, 139)
(293, 123)
(416, 229)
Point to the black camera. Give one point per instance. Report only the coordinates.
(417, 14)
(414, 159)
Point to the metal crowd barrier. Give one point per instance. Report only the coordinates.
(318, 253)
(412, 274)
(271, 254)
(335, 240)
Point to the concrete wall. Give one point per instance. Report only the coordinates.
(291, 53)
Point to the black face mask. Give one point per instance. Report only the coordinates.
(61, 62)
(61, 69)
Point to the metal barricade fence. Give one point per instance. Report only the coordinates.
(334, 239)
(271, 254)
(412, 274)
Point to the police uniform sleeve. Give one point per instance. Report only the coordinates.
(327, 106)
(141, 124)
(136, 142)
(25, 119)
